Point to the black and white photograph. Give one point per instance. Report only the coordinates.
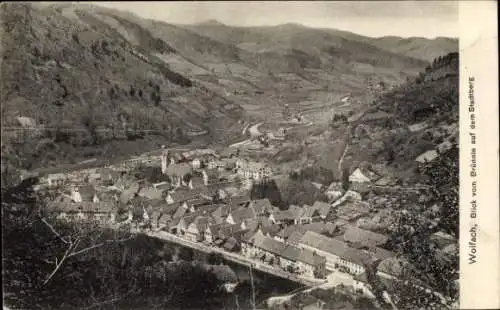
(232, 155)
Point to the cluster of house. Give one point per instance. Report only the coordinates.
(246, 226)
(300, 242)
(278, 135)
(202, 202)
(228, 161)
(202, 176)
(297, 240)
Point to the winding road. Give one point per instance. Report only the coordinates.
(253, 131)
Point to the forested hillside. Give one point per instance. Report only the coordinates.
(74, 88)
(417, 116)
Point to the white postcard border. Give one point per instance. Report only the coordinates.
(479, 181)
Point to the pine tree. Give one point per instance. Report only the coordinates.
(345, 178)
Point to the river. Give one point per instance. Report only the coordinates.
(265, 285)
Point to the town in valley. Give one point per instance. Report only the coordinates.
(156, 165)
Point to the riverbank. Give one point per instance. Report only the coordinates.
(234, 257)
(265, 285)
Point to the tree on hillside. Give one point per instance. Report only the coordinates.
(185, 253)
(345, 179)
(298, 192)
(151, 174)
(443, 176)
(215, 258)
(268, 190)
(315, 174)
(131, 91)
(376, 285)
(407, 292)
(411, 237)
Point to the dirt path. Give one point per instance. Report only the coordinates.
(341, 160)
(254, 130)
(245, 129)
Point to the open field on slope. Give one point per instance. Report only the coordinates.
(182, 65)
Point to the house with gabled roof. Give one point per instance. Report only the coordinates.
(261, 206)
(322, 207)
(290, 216)
(293, 233)
(196, 163)
(332, 249)
(271, 231)
(221, 231)
(110, 196)
(256, 223)
(65, 209)
(162, 186)
(427, 156)
(165, 215)
(442, 239)
(212, 231)
(262, 224)
(176, 172)
(221, 213)
(303, 261)
(196, 229)
(283, 217)
(238, 216)
(183, 223)
(241, 200)
(181, 195)
(355, 235)
(100, 213)
(294, 237)
(56, 179)
(180, 225)
(181, 210)
(108, 176)
(196, 182)
(310, 214)
(286, 232)
(361, 178)
(297, 212)
(150, 193)
(262, 247)
(86, 193)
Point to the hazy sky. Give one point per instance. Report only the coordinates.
(370, 18)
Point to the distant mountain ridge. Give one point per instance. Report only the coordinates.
(102, 82)
(416, 47)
